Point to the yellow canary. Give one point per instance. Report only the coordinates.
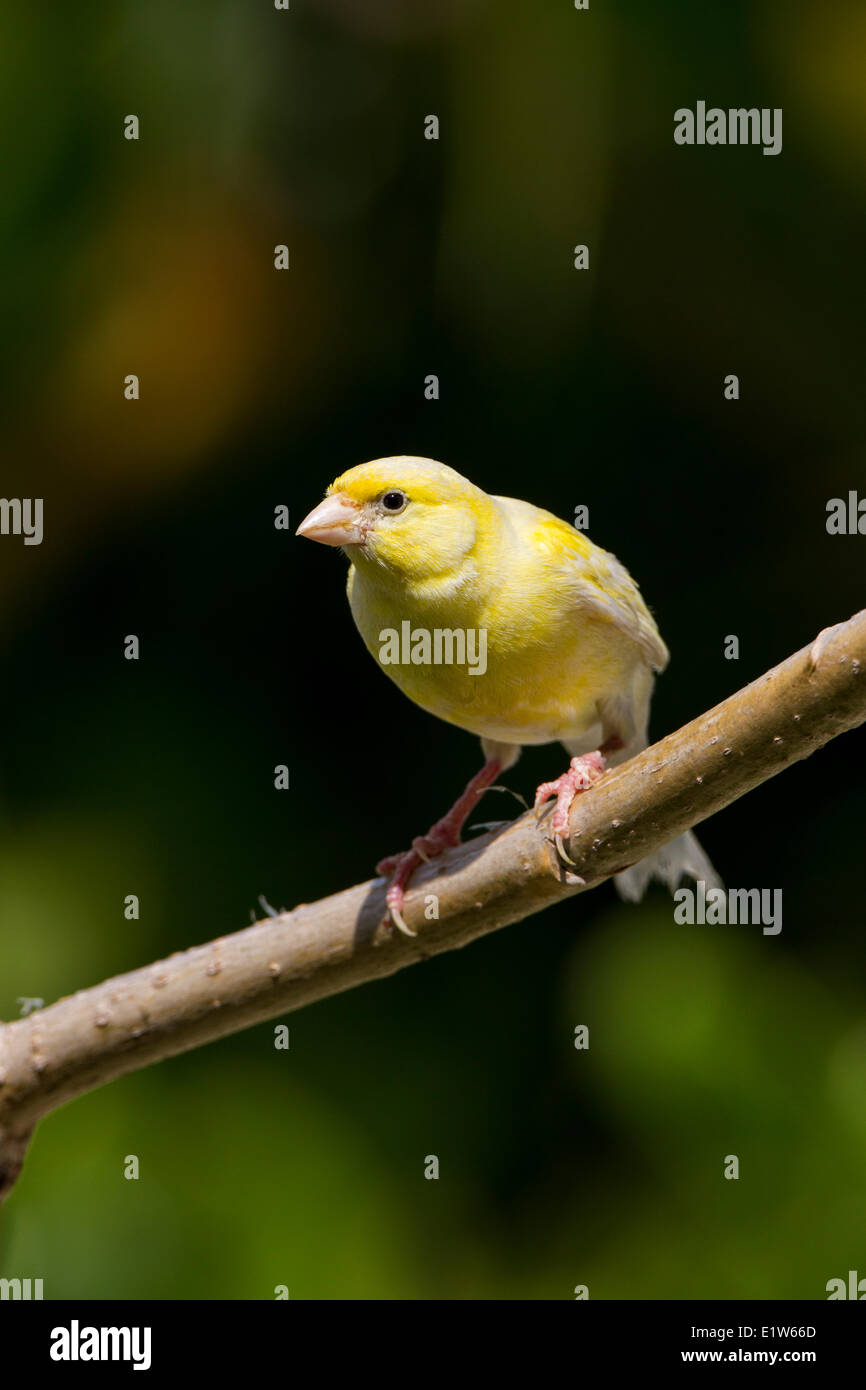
(504, 620)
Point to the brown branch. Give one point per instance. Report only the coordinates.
(288, 961)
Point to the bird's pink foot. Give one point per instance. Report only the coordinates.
(581, 774)
(401, 867)
(443, 835)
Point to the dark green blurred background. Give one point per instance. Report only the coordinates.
(409, 257)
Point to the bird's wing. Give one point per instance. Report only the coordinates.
(599, 584)
(608, 590)
(605, 589)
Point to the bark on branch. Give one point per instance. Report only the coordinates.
(285, 962)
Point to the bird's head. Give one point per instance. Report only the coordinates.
(413, 518)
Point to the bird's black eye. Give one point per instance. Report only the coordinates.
(394, 501)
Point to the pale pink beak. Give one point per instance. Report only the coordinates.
(336, 521)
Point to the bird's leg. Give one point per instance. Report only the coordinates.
(581, 774)
(443, 835)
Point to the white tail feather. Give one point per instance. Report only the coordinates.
(682, 858)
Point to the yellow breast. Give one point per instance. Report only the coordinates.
(521, 667)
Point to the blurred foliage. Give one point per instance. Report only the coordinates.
(305, 1167)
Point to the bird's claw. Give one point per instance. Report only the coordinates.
(572, 879)
(445, 834)
(394, 900)
(562, 851)
(582, 773)
(399, 868)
